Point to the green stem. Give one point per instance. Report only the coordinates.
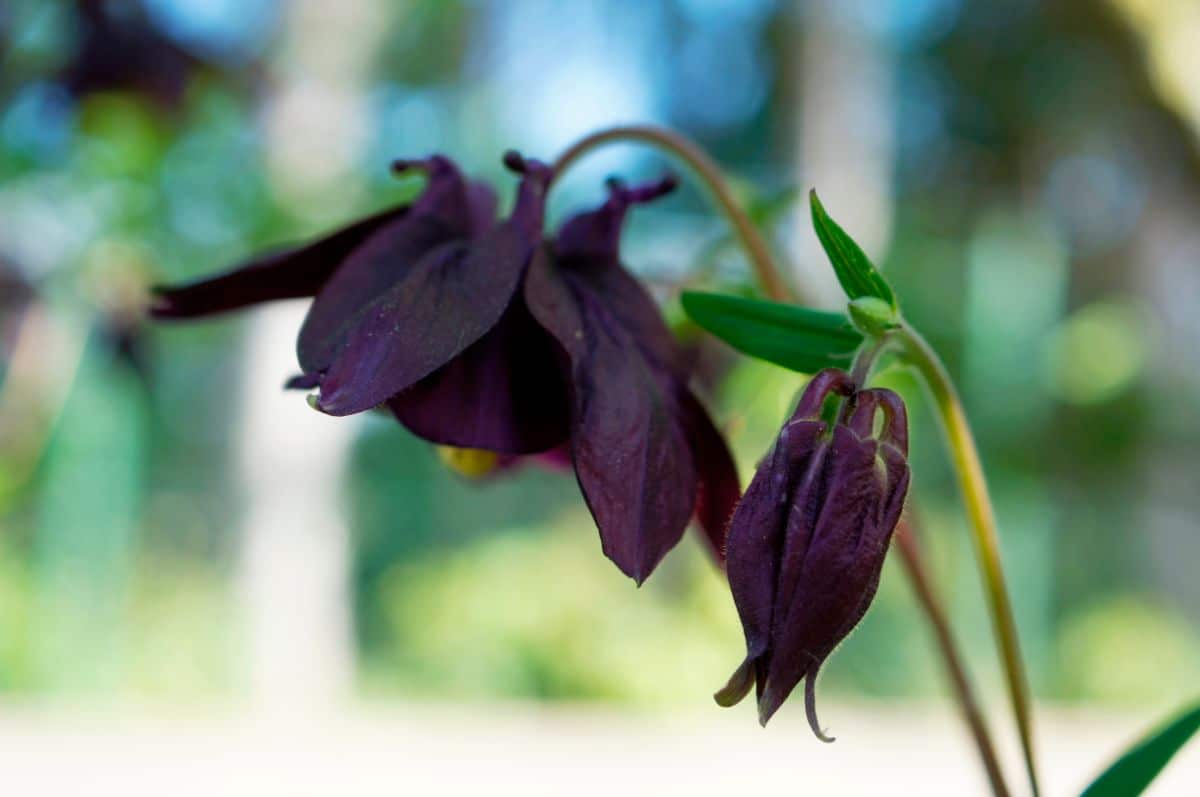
(965, 458)
(768, 274)
(866, 357)
(913, 560)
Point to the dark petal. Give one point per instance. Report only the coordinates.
(756, 531)
(481, 202)
(896, 487)
(504, 393)
(822, 383)
(895, 428)
(597, 234)
(289, 274)
(444, 213)
(555, 460)
(820, 590)
(465, 207)
(628, 440)
(718, 490)
(407, 302)
(587, 245)
(859, 580)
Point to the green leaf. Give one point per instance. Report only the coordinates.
(1132, 772)
(854, 269)
(795, 337)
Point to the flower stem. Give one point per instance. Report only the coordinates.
(913, 560)
(769, 275)
(965, 458)
(865, 359)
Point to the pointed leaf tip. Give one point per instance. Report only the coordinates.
(855, 271)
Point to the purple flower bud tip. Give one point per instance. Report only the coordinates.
(402, 165)
(434, 166)
(514, 161)
(622, 195)
(303, 382)
(807, 541)
(534, 171)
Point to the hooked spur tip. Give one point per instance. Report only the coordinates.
(622, 193)
(403, 165)
(810, 707)
(302, 382)
(314, 401)
(514, 161)
(533, 170)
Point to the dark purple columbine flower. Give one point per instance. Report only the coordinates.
(478, 334)
(401, 294)
(807, 542)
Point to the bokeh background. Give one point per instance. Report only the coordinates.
(205, 584)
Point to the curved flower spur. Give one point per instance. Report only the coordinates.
(807, 542)
(478, 334)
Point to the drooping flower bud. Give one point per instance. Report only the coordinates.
(807, 542)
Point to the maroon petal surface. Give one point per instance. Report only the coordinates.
(410, 300)
(833, 556)
(756, 531)
(719, 488)
(821, 588)
(288, 274)
(628, 439)
(505, 393)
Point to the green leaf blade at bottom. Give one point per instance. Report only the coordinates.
(1130, 774)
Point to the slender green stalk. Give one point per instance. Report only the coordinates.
(769, 276)
(965, 457)
(912, 558)
(868, 354)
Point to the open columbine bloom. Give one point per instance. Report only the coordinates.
(477, 334)
(807, 542)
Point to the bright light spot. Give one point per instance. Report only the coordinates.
(1097, 353)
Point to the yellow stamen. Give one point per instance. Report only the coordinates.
(474, 463)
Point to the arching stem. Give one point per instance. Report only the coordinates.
(768, 274)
